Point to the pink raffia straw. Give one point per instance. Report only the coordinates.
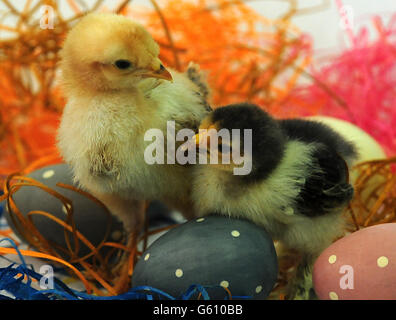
(364, 77)
(342, 10)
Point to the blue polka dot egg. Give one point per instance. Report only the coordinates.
(225, 256)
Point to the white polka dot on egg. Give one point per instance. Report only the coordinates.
(179, 273)
(48, 174)
(235, 233)
(332, 259)
(200, 219)
(382, 262)
(147, 256)
(224, 284)
(259, 289)
(333, 295)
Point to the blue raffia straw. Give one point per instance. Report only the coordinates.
(12, 281)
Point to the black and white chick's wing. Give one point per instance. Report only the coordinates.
(327, 187)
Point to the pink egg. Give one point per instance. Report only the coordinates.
(360, 266)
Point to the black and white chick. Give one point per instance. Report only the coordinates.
(298, 184)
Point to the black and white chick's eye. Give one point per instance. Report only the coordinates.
(122, 64)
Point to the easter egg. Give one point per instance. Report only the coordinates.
(215, 252)
(360, 266)
(90, 218)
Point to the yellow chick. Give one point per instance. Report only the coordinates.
(116, 89)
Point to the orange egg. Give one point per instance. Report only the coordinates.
(360, 266)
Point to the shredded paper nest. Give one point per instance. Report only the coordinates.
(247, 57)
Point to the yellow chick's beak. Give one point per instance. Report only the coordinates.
(161, 73)
(198, 140)
(203, 136)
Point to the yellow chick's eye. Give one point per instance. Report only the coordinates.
(122, 64)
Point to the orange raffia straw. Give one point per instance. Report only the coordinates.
(73, 5)
(43, 161)
(168, 34)
(29, 232)
(8, 234)
(235, 72)
(96, 272)
(375, 194)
